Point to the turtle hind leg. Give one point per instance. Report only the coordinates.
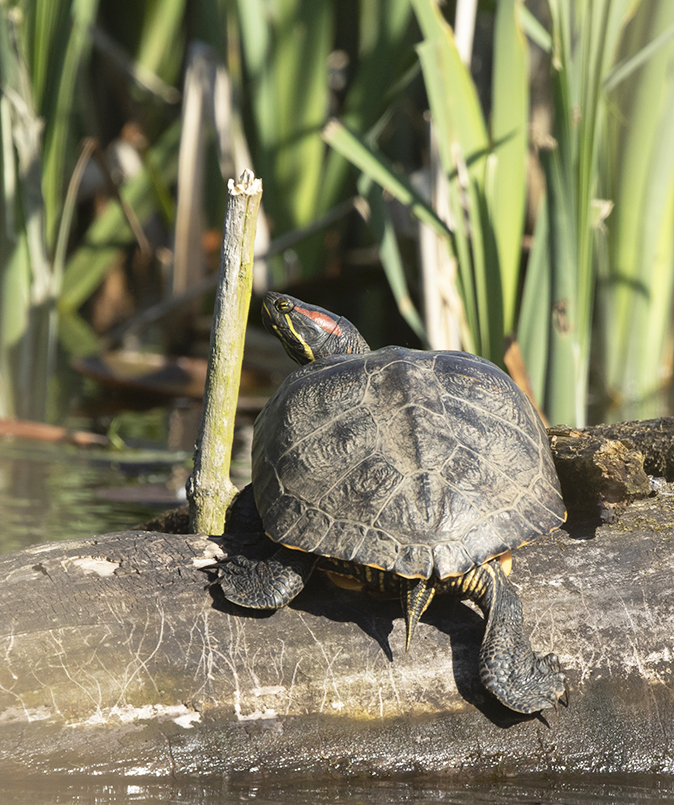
(265, 583)
(242, 515)
(523, 680)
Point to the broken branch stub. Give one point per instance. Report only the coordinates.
(209, 488)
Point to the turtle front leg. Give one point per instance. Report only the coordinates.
(520, 678)
(267, 583)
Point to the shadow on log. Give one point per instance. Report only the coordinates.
(119, 657)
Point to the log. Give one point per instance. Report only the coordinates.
(603, 467)
(653, 438)
(118, 657)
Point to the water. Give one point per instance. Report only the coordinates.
(52, 492)
(543, 789)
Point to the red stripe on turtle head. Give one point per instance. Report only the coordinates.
(324, 321)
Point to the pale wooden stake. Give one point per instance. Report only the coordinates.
(209, 488)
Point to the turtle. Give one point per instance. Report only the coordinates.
(405, 471)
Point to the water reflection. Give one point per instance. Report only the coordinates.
(543, 789)
(52, 492)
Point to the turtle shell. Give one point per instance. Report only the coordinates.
(418, 463)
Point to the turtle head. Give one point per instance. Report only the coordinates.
(308, 332)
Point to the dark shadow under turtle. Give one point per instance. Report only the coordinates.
(405, 472)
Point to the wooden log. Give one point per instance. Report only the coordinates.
(654, 438)
(117, 657)
(601, 468)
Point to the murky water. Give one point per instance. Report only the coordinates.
(543, 789)
(52, 492)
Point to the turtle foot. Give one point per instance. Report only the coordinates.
(265, 584)
(525, 685)
(523, 680)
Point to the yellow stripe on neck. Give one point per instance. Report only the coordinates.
(307, 349)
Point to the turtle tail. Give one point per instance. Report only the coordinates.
(415, 595)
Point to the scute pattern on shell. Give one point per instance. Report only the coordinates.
(419, 463)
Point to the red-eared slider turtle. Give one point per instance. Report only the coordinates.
(414, 472)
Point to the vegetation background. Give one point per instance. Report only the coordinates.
(500, 172)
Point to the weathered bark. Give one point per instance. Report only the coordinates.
(603, 467)
(654, 438)
(117, 657)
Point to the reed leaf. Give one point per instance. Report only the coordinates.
(452, 95)
(389, 254)
(59, 147)
(379, 169)
(26, 324)
(534, 30)
(585, 43)
(161, 37)
(533, 331)
(506, 189)
(383, 69)
(485, 166)
(636, 291)
(286, 47)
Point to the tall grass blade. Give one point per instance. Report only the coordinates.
(9, 180)
(26, 266)
(533, 29)
(509, 129)
(379, 169)
(143, 77)
(58, 145)
(586, 36)
(451, 92)
(382, 228)
(188, 258)
(637, 292)
(162, 37)
(383, 68)
(286, 44)
(464, 26)
(626, 67)
(533, 331)
(444, 309)
(463, 147)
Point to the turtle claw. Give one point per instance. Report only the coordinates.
(564, 698)
(415, 595)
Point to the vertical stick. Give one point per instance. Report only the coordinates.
(209, 488)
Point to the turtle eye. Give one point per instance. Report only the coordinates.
(284, 305)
